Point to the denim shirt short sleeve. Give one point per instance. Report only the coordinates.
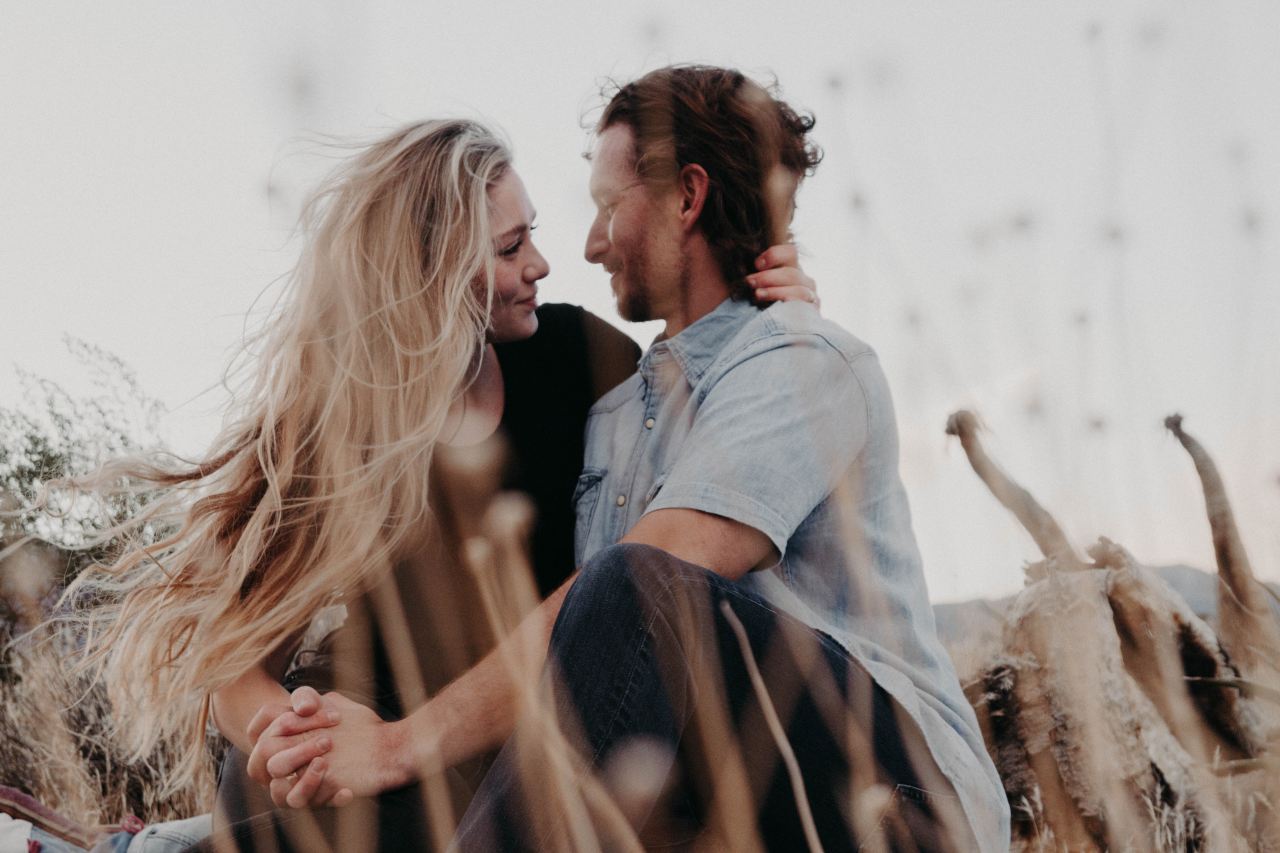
(783, 421)
(768, 460)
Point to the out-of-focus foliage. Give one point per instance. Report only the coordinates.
(52, 434)
(57, 741)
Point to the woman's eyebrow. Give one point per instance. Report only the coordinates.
(520, 227)
(514, 231)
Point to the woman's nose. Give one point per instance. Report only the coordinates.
(537, 268)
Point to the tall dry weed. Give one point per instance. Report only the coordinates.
(57, 738)
(1117, 718)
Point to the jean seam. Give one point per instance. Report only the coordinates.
(643, 632)
(922, 795)
(888, 809)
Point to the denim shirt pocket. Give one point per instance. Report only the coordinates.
(586, 497)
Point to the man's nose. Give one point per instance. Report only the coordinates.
(597, 242)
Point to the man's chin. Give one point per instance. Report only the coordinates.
(634, 310)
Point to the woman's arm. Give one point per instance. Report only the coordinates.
(246, 706)
(235, 706)
(365, 755)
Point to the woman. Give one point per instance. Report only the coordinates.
(411, 322)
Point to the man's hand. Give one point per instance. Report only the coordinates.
(356, 756)
(780, 278)
(304, 719)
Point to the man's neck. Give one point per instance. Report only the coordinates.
(704, 289)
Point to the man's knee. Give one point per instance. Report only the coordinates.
(630, 581)
(642, 568)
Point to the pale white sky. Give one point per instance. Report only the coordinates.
(1065, 218)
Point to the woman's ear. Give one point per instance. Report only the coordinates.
(693, 186)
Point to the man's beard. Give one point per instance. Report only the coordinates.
(634, 302)
(634, 305)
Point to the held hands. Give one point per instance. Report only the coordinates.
(780, 279)
(321, 750)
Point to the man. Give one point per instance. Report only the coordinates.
(750, 618)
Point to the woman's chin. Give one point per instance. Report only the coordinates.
(513, 329)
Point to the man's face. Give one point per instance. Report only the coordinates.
(635, 235)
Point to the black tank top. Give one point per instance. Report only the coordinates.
(552, 379)
(429, 602)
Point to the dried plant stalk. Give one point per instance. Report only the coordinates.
(1037, 521)
(1246, 623)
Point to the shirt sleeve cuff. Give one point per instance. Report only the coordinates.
(717, 500)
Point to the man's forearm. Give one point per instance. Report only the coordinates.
(478, 711)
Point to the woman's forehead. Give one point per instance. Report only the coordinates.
(509, 205)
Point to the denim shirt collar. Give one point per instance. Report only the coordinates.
(696, 347)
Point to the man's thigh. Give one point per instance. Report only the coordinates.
(771, 716)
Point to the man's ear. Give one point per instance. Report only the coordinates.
(693, 184)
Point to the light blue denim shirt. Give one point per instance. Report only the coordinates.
(782, 420)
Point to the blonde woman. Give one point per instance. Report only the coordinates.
(411, 322)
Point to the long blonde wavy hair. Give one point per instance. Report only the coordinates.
(318, 480)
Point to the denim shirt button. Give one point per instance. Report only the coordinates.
(648, 424)
(622, 500)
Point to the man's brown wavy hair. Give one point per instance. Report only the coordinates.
(736, 130)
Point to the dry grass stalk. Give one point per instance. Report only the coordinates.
(574, 810)
(1042, 526)
(776, 729)
(1246, 622)
(1111, 708)
(57, 742)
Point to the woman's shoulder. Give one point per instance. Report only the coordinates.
(581, 342)
(611, 354)
(562, 316)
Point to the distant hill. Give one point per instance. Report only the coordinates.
(966, 622)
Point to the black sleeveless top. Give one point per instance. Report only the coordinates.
(424, 622)
(552, 379)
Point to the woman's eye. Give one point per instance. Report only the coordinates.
(511, 250)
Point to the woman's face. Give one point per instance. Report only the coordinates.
(518, 264)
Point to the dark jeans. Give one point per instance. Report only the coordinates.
(647, 664)
(651, 685)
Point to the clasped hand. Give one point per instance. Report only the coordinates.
(320, 750)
